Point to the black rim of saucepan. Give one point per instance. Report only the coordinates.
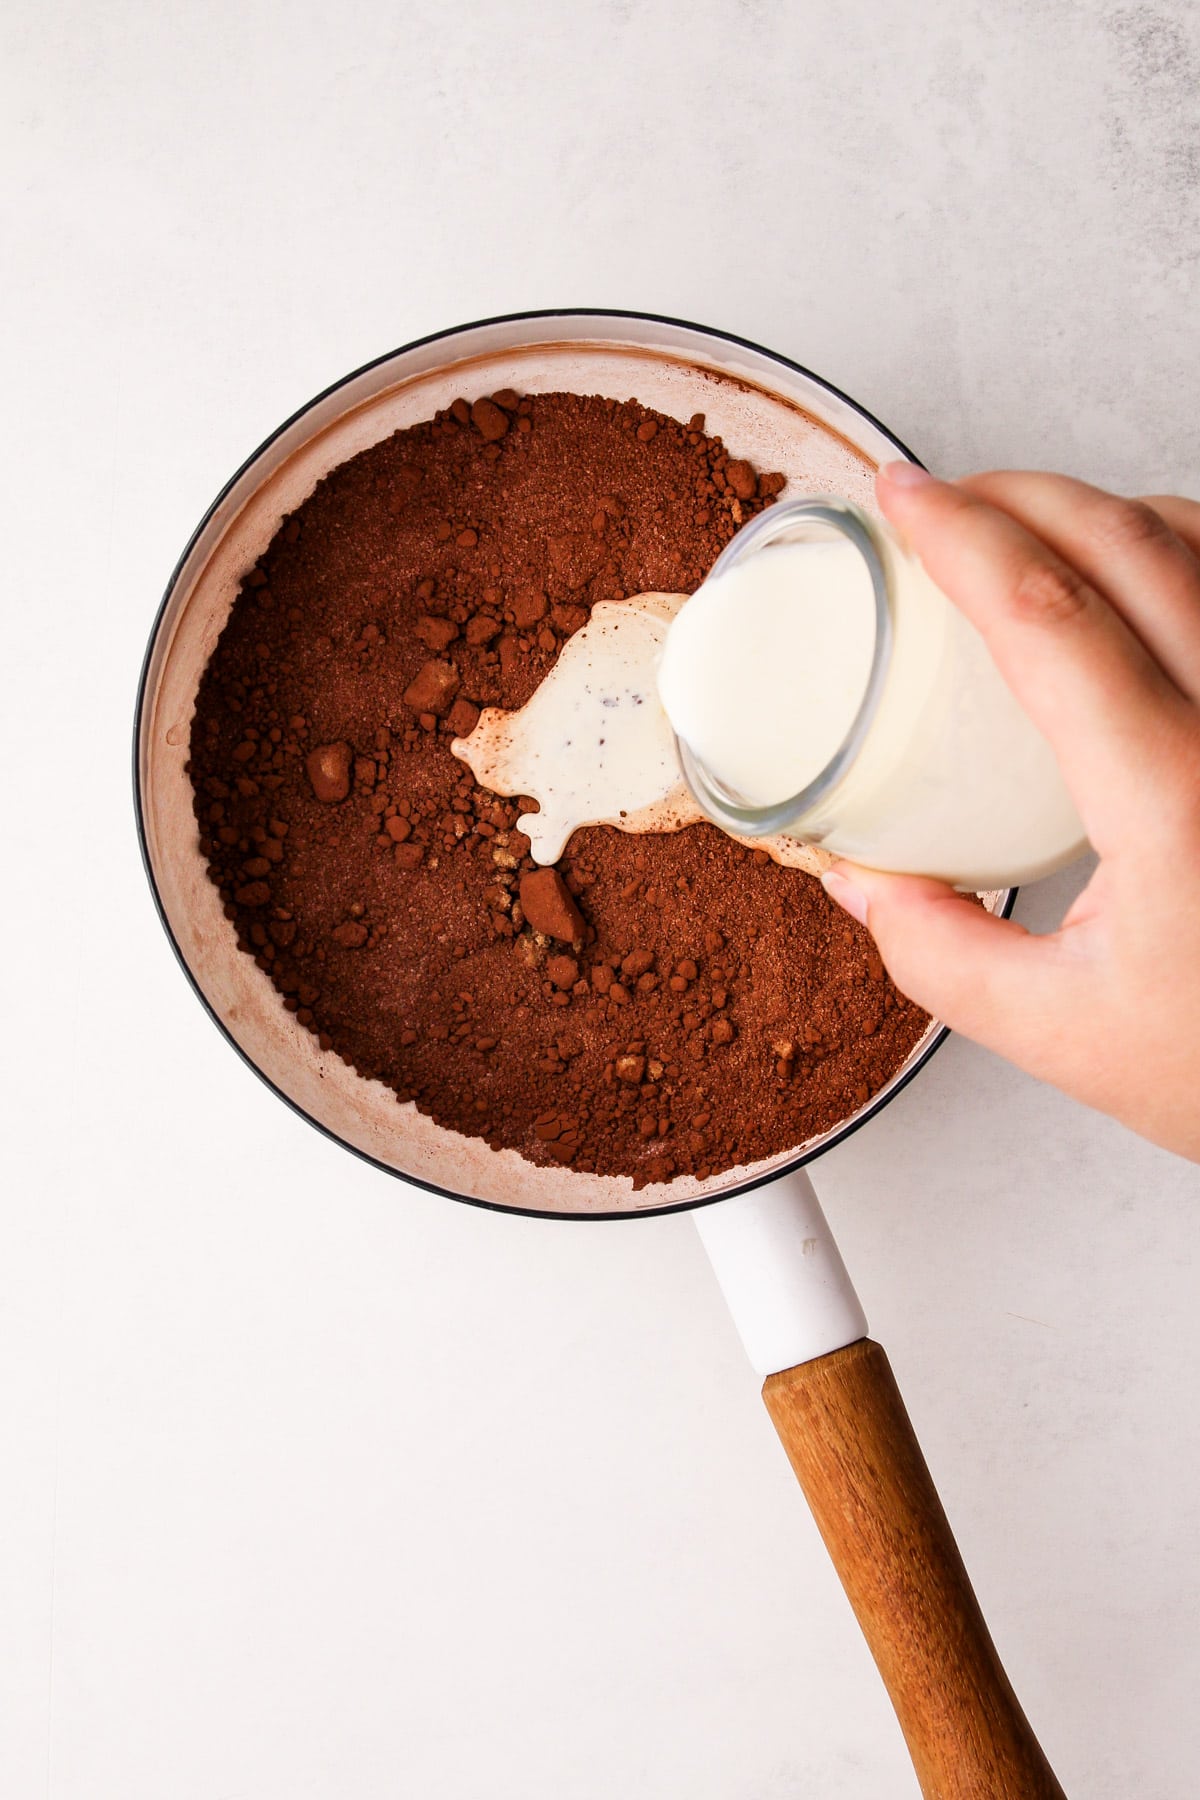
(560, 312)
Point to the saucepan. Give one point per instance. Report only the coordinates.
(828, 1387)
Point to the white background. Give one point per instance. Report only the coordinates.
(316, 1487)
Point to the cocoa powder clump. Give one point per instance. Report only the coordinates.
(489, 420)
(652, 1006)
(549, 907)
(329, 772)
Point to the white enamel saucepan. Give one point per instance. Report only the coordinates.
(828, 1387)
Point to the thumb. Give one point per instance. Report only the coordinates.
(983, 976)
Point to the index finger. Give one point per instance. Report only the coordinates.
(1112, 717)
(1126, 549)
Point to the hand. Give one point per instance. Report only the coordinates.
(1090, 605)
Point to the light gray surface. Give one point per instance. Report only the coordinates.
(316, 1487)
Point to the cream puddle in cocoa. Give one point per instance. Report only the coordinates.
(593, 745)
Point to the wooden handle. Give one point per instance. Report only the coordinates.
(848, 1437)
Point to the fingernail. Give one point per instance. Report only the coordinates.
(905, 475)
(850, 898)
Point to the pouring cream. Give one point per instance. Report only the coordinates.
(593, 745)
(817, 694)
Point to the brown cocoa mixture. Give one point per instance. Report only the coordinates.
(654, 1005)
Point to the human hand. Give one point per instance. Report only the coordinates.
(1090, 605)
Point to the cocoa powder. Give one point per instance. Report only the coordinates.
(655, 1005)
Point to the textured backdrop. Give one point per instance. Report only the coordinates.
(315, 1487)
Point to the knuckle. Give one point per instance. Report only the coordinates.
(1121, 525)
(1049, 594)
(986, 485)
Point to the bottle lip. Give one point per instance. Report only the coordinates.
(728, 808)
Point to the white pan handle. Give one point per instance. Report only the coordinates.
(781, 1274)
